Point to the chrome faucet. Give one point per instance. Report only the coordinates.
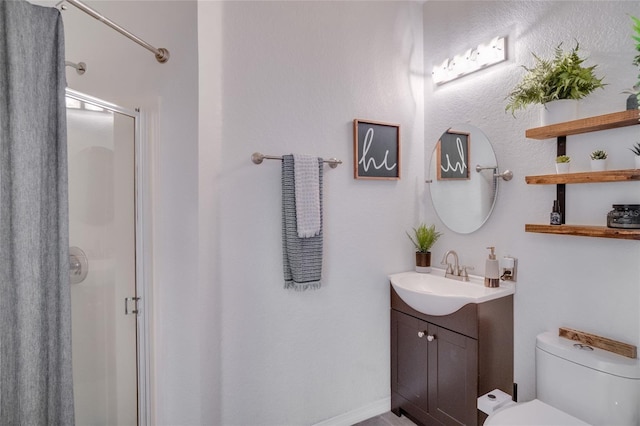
(454, 271)
(445, 259)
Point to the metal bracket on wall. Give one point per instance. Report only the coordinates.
(561, 188)
(80, 67)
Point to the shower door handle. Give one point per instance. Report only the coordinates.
(135, 304)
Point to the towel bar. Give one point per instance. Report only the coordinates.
(258, 158)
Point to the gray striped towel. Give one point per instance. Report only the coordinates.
(302, 257)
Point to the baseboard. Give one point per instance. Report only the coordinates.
(359, 414)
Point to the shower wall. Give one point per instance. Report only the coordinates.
(102, 224)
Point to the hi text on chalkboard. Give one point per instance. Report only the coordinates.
(376, 150)
(453, 155)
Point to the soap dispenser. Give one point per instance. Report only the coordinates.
(492, 270)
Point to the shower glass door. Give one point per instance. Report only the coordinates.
(102, 231)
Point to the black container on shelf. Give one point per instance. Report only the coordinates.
(624, 216)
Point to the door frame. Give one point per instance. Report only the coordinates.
(142, 205)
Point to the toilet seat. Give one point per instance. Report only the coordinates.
(530, 413)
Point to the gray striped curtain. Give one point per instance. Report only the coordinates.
(36, 385)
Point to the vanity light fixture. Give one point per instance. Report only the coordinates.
(477, 58)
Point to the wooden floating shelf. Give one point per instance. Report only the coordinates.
(585, 177)
(575, 127)
(585, 231)
(585, 125)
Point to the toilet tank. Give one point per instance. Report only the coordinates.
(596, 386)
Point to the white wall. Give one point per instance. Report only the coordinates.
(293, 77)
(589, 284)
(209, 161)
(124, 73)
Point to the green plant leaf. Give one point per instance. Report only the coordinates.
(563, 77)
(424, 237)
(599, 154)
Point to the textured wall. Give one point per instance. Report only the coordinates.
(293, 77)
(585, 283)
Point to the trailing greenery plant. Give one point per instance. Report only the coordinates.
(599, 154)
(563, 77)
(636, 149)
(636, 60)
(636, 37)
(424, 237)
(563, 159)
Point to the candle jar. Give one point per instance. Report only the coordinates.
(624, 216)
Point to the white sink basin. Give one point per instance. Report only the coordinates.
(433, 294)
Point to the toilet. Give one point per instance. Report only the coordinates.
(577, 385)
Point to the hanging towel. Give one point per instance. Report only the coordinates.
(307, 187)
(302, 257)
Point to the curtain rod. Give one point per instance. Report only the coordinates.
(162, 54)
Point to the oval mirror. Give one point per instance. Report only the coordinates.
(463, 186)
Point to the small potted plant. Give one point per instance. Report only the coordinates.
(562, 164)
(598, 160)
(424, 237)
(632, 100)
(563, 78)
(636, 151)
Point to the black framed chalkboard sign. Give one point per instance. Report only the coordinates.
(453, 155)
(376, 150)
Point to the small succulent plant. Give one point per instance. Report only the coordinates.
(563, 159)
(599, 154)
(425, 237)
(636, 149)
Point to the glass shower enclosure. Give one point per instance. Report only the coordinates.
(108, 327)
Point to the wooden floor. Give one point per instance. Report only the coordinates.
(387, 419)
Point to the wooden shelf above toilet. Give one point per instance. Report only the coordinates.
(586, 125)
(575, 127)
(585, 177)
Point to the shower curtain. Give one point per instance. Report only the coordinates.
(35, 306)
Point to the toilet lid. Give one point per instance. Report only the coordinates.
(532, 413)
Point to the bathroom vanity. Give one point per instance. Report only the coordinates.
(441, 364)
